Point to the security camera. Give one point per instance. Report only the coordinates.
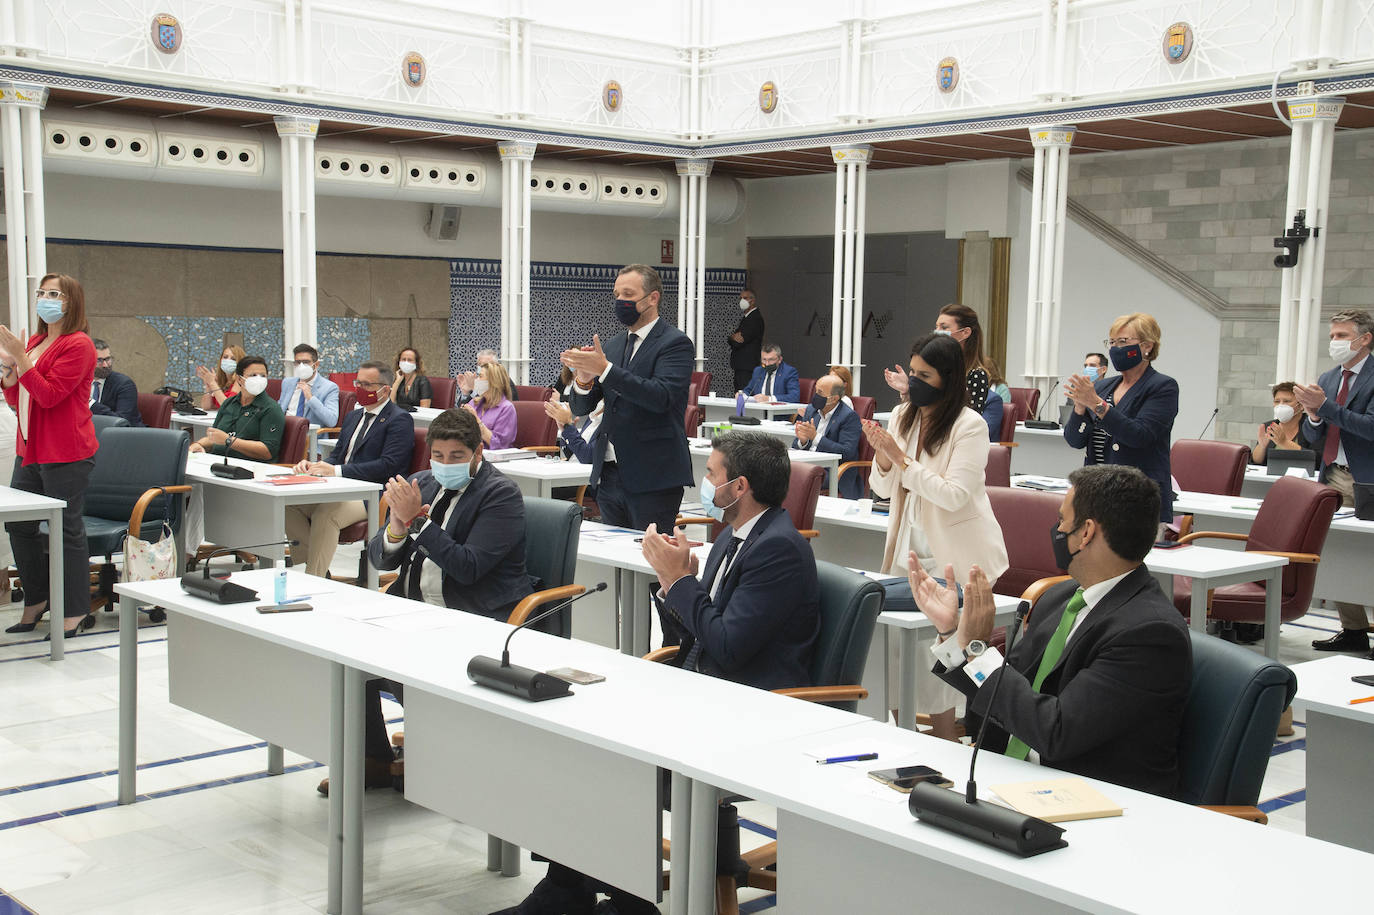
(1292, 240)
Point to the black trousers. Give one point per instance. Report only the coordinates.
(639, 509)
(376, 745)
(57, 481)
(742, 378)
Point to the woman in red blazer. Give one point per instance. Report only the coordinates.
(48, 382)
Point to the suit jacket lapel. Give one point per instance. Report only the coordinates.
(732, 574)
(1125, 590)
(644, 343)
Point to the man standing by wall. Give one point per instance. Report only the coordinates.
(746, 341)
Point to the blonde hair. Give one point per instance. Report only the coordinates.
(498, 383)
(1143, 327)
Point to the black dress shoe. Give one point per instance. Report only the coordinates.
(377, 773)
(549, 898)
(27, 627)
(87, 622)
(1345, 640)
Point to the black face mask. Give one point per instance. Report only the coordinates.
(920, 393)
(1060, 541)
(626, 312)
(818, 402)
(1126, 357)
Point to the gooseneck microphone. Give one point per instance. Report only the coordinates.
(1210, 420)
(982, 821)
(530, 685)
(221, 590)
(1036, 422)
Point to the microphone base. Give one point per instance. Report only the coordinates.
(1000, 827)
(217, 590)
(744, 420)
(1041, 424)
(231, 471)
(530, 685)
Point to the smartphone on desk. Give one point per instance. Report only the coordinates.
(1168, 544)
(284, 608)
(904, 778)
(573, 675)
(1367, 680)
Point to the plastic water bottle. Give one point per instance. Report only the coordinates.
(739, 404)
(279, 592)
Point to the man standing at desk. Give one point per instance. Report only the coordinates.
(250, 425)
(1097, 683)
(774, 379)
(641, 461)
(312, 396)
(751, 617)
(375, 444)
(747, 341)
(832, 426)
(113, 393)
(1343, 398)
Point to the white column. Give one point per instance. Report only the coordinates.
(517, 157)
(1045, 283)
(1309, 192)
(851, 180)
(695, 174)
(21, 153)
(299, 316)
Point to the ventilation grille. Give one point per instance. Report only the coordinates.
(358, 167)
(105, 144)
(617, 189)
(562, 185)
(216, 155)
(449, 175)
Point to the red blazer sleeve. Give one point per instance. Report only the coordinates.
(72, 362)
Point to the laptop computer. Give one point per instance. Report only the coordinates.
(1280, 460)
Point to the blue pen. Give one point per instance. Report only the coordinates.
(857, 757)
(298, 600)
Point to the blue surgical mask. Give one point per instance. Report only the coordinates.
(452, 476)
(944, 333)
(50, 311)
(1091, 372)
(708, 500)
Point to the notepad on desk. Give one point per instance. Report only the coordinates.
(291, 479)
(1058, 801)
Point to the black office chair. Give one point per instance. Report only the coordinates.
(1233, 710)
(102, 422)
(552, 530)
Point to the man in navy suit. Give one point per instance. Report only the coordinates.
(751, 617)
(747, 341)
(640, 462)
(830, 425)
(374, 444)
(774, 379)
(1340, 423)
(113, 393)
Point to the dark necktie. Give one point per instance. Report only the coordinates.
(629, 350)
(417, 558)
(1017, 749)
(95, 392)
(694, 651)
(1333, 431)
(768, 383)
(358, 438)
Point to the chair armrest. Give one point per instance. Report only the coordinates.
(1038, 588)
(824, 693)
(1009, 444)
(328, 431)
(141, 506)
(851, 465)
(525, 608)
(541, 449)
(809, 534)
(684, 520)
(662, 655)
(1215, 535)
(581, 494)
(1253, 814)
(1312, 558)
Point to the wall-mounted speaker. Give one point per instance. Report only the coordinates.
(443, 221)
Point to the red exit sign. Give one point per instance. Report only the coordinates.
(665, 251)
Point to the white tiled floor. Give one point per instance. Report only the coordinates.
(257, 845)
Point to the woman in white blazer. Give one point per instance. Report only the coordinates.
(931, 467)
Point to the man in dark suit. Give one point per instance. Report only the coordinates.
(1098, 682)
(751, 617)
(641, 461)
(374, 444)
(830, 425)
(1343, 398)
(747, 340)
(113, 393)
(456, 535)
(774, 379)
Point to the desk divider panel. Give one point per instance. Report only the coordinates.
(589, 808)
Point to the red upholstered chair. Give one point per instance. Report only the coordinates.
(1028, 398)
(1292, 521)
(273, 388)
(445, 390)
(998, 470)
(806, 387)
(692, 418)
(803, 490)
(155, 410)
(1012, 414)
(864, 406)
(531, 392)
(1026, 517)
(863, 466)
(701, 383)
(343, 379)
(1204, 466)
(535, 430)
(294, 440)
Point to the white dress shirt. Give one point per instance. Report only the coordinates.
(1317, 420)
(358, 436)
(822, 421)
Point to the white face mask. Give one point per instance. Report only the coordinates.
(407, 367)
(744, 305)
(1282, 412)
(228, 365)
(1341, 351)
(305, 371)
(480, 387)
(255, 385)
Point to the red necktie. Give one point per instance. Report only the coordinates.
(1333, 431)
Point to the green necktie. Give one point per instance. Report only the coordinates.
(1016, 749)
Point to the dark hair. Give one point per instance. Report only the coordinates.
(248, 361)
(1121, 499)
(1101, 358)
(973, 346)
(387, 373)
(419, 360)
(944, 356)
(771, 348)
(649, 280)
(761, 459)
(306, 348)
(99, 343)
(74, 315)
(455, 425)
(1285, 386)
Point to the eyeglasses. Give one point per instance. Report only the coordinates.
(368, 385)
(49, 294)
(304, 362)
(1120, 341)
(108, 360)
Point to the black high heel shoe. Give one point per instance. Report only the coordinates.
(87, 622)
(27, 627)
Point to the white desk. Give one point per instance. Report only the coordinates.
(700, 449)
(539, 476)
(720, 409)
(17, 505)
(849, 536)
(423, 416)
(195, 426)
(607, 741)
(1340, 745)
(1043, 452)
(846, 843)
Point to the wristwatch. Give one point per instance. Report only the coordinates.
(975, 649)
(417, 523)
(1100, 409)
(229, 441)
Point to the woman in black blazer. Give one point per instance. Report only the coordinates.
(1127, 419)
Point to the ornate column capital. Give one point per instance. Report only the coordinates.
(694, 168)
(24, 95)
(1057, 135)
(519, 150)
(861, 154)
(1315, 108)
(292, 126)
